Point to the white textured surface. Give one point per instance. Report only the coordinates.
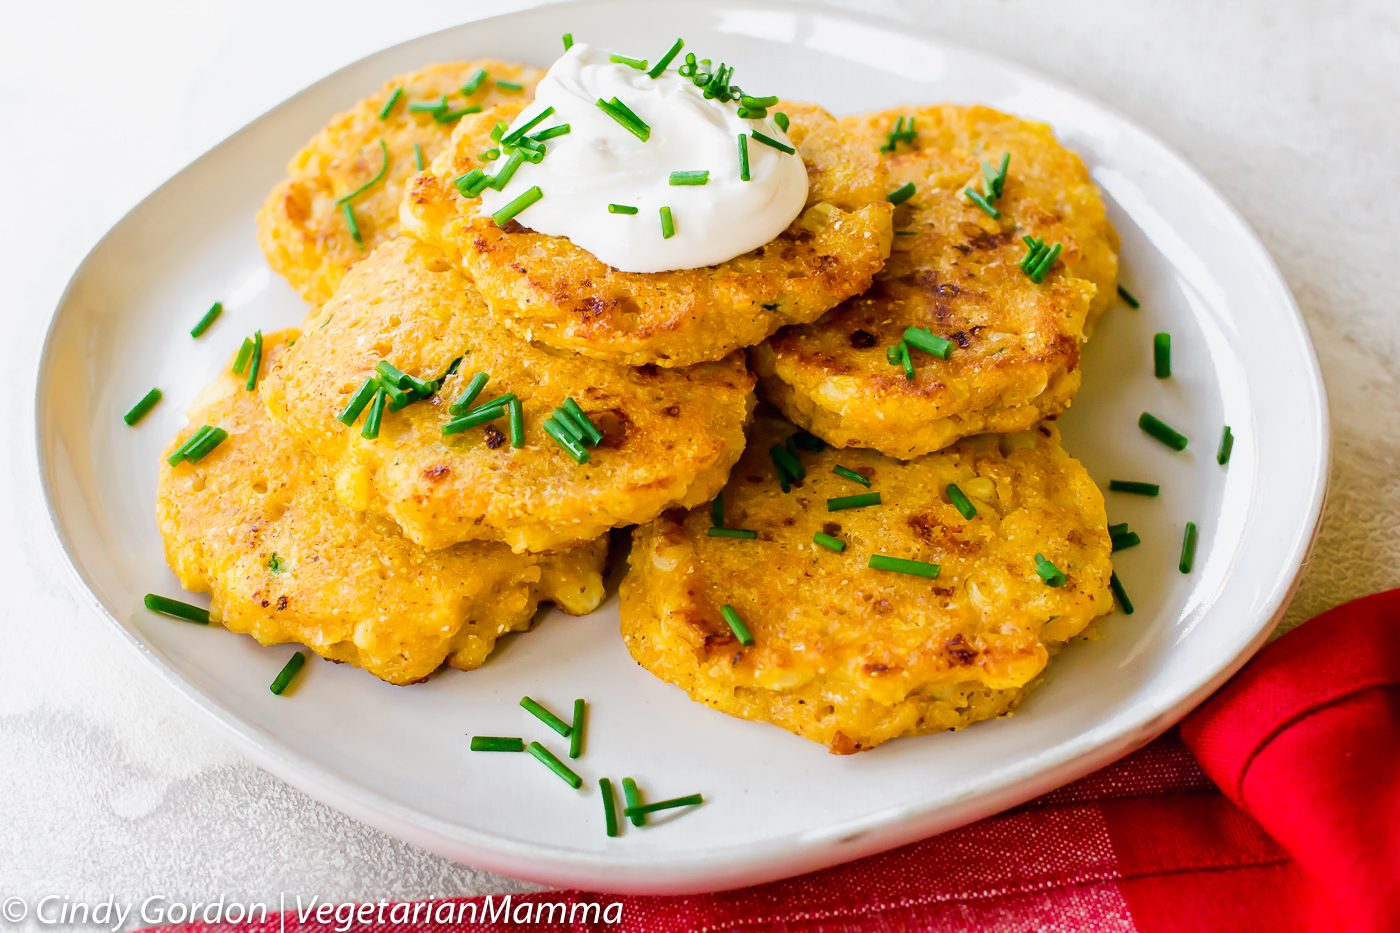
(113, 787)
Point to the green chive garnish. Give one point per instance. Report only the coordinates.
(517, 431)
(563, 129)
(632, 798)
(1222, 453)
(917, 568)
(621, 209)
(245, 353)
(255, 363)
(628, 120)
(851, 475)
(198, 445)
(376, 413)
(694, 800)
(609, 806)
(900, 133)
(474, 82)
(554, 764)
(1162, 355)
(497, 743)
(757, 102)
(428, 106)
(576, 738)
(638, 63)
(1124, 540)
(804, 441)
(928, 341)
(841, 503)
(1119, 529)
(519, 132)
(1052, 575)
(464, 401)
(347, 211)
(744, 533)
(209, 318)
(901, 194)
(898, 355)
(717, 510)
(418, 157)
(383, 169)
(503, 174)
(690, 178)
(471, 419)
(509, 85)
(448, 116)
(518, 205)
(743, 157)
(737, 626)
(960, 501)
(1137, 489)
(827, 541)
(591, 435)
(1158, 429)
(148, 401)
(1132, 303)
(976, 198)
(389, 104)
(782, 120)
(785, 460)
(1117, 586)
(666, 59)
(566, 439)
(668, 226)
(546, 717)
(772, 143)
(1188, 548)
(176, 609)
(906, 233)
(568, 44)
(392, 373)
(284, 678)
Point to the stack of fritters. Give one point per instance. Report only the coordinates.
(406, 548)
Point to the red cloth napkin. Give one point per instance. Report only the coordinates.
(1290, 822)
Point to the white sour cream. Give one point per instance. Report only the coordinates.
(600, 162)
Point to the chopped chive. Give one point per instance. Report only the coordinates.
(497, 404)
(503, 174)
(471, 419)
(499, 130)
(392, 373)
(1188, 548)
(827, 541)
(509, 85)
(977, 198)
(743, 157)
(383, 169)
(347, 211)
(772, 143)
(851, 475)
(898, 355)
(744, 533)
(566, 440)
(631, 123)
(756, 113)
(694, 800)
(1162, 355)
(690, 178)
(546, 717)
(901, 194)
(1052, 576)
(519, 132)
(782, 120)
(568, 44)
(960, 501)
(928, 341)
(398, 398)
(428, 106)
(1119, 529)
(245, 353)
(638, 63)
(717, 510)
(176, 609)
(376, 413)
(1124, 540)
(668, 226)
(418, 157)
(183, 450)
(389, 104)
(784, 458)
(576, 739)
(497, 743)
(841, 503)
(149, 400)
(566, 421)
(1158, 429)
(1132, 303)
(804, 441)
(490, 155)
(284, 678)
(748, 101)
(474, 82)
(906, 233)
(517, 428)
(276, 564)
(621, 209)
(518, 205)
(1222, 453)
(737, 626)
(554, 764)
(448, 116)
(256, 362)
(1117, 586)
(1045, 264)
(609, 806)
(1138, 489)
(464, 401)
(632, 798)
(563, 129)
(591, 435)
(666, 59)
(917, 568)
(206, 445)
(209, 318)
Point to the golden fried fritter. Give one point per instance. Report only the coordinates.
(850, 656)
(548, 290)
(954, 270)
(670, 435)
(257, 524)
(302, 230)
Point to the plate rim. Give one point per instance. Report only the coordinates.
(714, 869)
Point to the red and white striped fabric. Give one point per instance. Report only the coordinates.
(1306, 739)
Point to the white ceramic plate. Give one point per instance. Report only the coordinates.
(397, 757)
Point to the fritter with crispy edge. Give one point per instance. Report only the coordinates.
(548, 290)
(302, 230)
(954, 271)
(849, 656)
(258, 525)
(670, 435)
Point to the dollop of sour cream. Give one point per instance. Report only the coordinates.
(599, 163)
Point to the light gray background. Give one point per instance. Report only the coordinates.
(109, 786)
